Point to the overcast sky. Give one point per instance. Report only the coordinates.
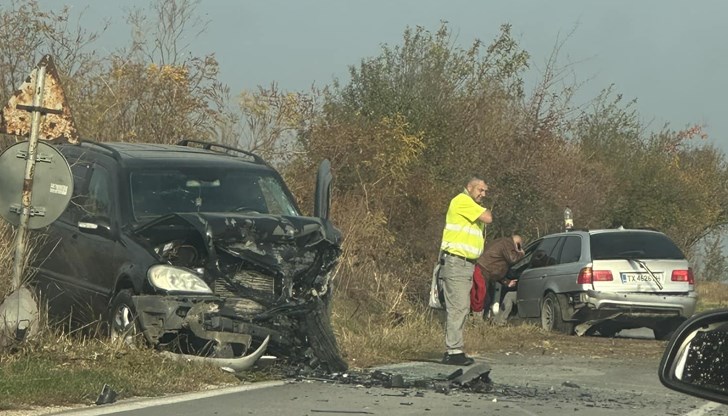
(672, 56)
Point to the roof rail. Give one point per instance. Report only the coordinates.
(209, 145)
(114, 153)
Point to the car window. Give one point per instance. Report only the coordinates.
(91, 196)
(571, 251)
(160, 192)
(98, 203)
(633, 244)
(543, 255)
(275, 198)
(527, 253)
(518, 267)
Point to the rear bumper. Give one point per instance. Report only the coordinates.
(594, 305)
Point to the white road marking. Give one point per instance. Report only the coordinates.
(144, 403)
(704, 409)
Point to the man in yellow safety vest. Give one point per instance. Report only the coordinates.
(462, 243)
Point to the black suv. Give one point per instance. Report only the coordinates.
(199, 247)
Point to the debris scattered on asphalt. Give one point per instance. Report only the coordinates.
(475, 379)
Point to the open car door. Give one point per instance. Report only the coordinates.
(322, 199)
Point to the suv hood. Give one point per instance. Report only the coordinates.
(278, 244)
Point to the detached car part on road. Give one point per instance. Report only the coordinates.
(197, 246)
(605, 281)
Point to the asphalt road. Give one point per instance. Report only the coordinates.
(534, 385)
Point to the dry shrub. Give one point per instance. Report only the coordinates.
(374, 270)
(379, 312)
(368, 339)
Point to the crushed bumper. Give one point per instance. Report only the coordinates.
(629, 309)
(162, 317)
(233, 365)
(598, 304)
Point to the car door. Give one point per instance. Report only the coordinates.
(531, 282)
(80, 259)
(562, 277)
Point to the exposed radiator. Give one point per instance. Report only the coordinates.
(246, 283)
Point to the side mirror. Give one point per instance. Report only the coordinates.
(97, 226)
(322, 198)
(696, 359)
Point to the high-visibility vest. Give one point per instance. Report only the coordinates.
(464, 233)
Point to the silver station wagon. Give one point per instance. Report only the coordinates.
(604, 281)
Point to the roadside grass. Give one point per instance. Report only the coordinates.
(711, 295)
(56, 369)
(7, 249)
(370, 340)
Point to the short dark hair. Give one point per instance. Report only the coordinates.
(473, 178)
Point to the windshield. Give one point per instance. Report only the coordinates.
(637, 245)
(159, 192)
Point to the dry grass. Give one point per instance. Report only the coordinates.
(7, 249)
(711, 295)
(59, 369)
(368, 340)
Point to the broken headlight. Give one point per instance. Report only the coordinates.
(175, 279)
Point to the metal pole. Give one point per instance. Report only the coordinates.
(20, 240)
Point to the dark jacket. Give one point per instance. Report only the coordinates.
(497, 256)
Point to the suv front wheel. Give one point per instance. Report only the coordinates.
(551, 318)
(316, 326)
(123, 325)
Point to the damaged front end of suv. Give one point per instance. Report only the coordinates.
(262, 280)
(196, 248)
(230, 286)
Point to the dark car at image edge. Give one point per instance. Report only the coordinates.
(197, 247)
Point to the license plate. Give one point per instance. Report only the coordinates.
(639, 277)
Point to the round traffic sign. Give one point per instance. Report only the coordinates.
(52, 184)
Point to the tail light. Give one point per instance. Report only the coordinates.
(585, 276)
(588, 276)
(683, 276)
(602, 276)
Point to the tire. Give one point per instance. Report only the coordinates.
(123, 323)
(664, 331)
(322, 340)
(551, 318)
(608, 330)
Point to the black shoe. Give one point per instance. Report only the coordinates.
(457, 359)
